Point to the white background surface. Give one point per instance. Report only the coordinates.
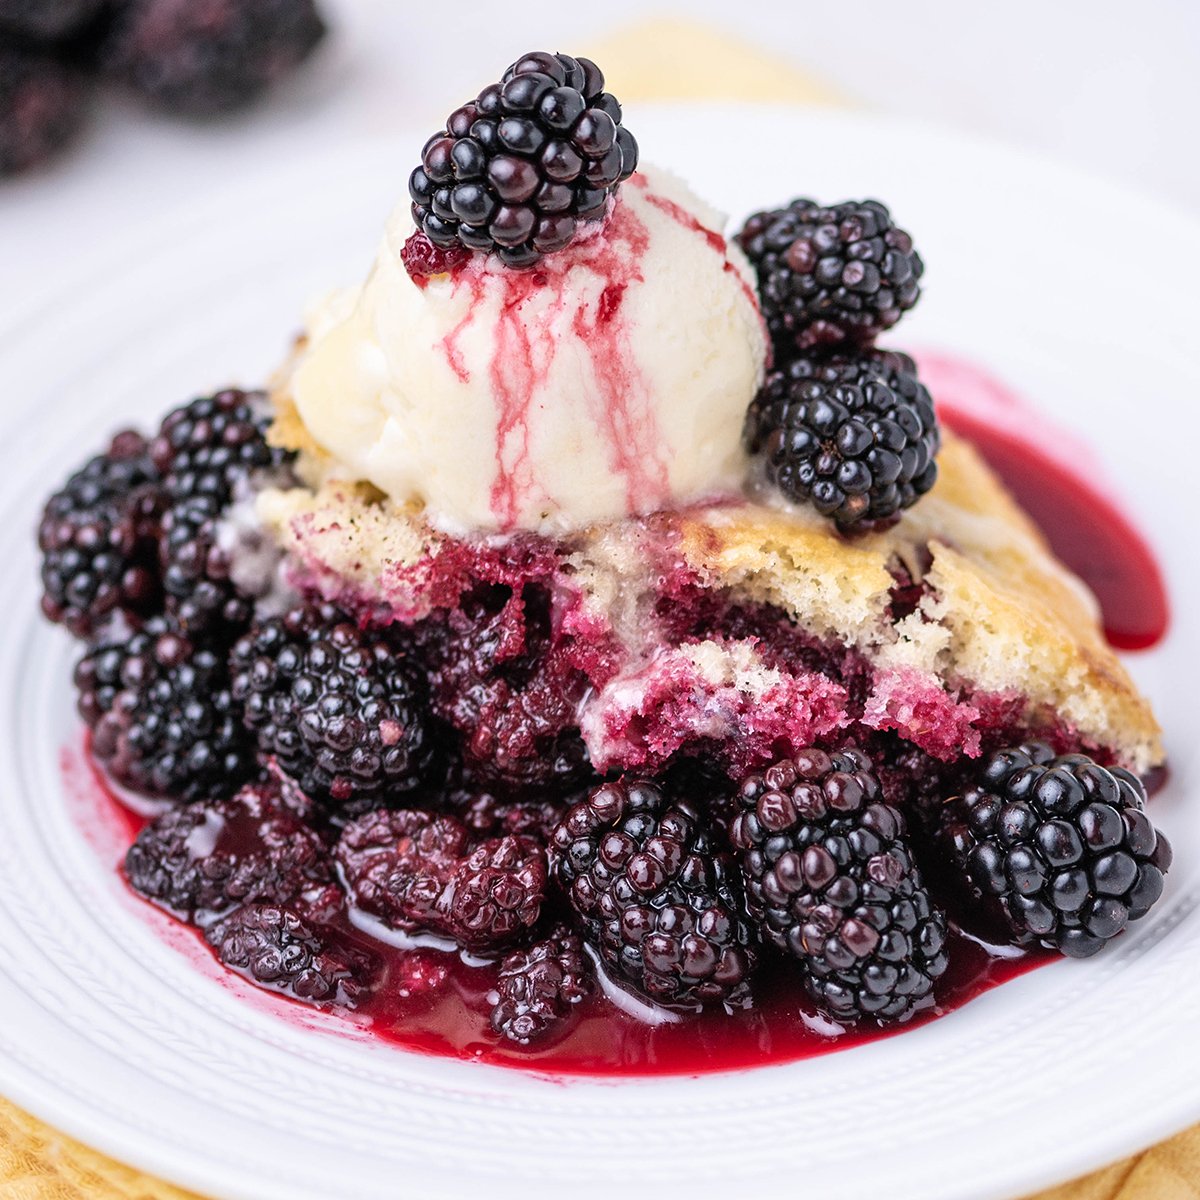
(1105, 84)
(112, 1034)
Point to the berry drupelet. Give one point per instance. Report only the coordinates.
(517, 169)
(99, 540)
(856, 437)
(831, 880)
(1060, 847)
(418, 872)
(340, 709)
(659, 900)
(204, 859)
(539, 986)
(830, 275)
(198, 59)
(206, 452)
(43, 104)
(162, 718)
(278, 948)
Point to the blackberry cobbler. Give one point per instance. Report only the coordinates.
(592, 606)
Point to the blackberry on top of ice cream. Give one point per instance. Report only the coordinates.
(831, 275)
(854, 436)
(517, 169)
(1060, 847)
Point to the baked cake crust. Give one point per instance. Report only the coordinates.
(997, 621)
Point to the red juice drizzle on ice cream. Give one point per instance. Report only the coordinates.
(524, 350)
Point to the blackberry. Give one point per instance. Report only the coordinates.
(487, 816)
(658, 898)
(855, 437)
(517, 170)
(340, 709)
(204, 859)
(275, 947)
(162, 718)
(47, 20)
(418, 872)
(830, 275)
(500, 677)
(539, 986)
(99, 540)
(831, 881)
(199, 59)
(1060, 848)
(208, 452)
(43, 104)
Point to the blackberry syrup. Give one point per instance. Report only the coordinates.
(435, 1001)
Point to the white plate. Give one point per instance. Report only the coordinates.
(1080, 294)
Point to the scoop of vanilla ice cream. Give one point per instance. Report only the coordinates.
(611, 380)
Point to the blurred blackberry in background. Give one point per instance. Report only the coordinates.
(517, 169)
(659, 899)
(830, 275)
(856, 437)
(1061, 847)
(340, 708)
(162, 718)
(99, 540)
(47, 20)
(43, 105)
(831, 881)
(199, 57)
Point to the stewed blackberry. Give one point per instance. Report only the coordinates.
(517, 169)
(204, 859)
(539, 986)
(162, 717)
(856, 437)
(502, 678)
(208, 451)
(205, 58)
(420, 872)
(830, 275)
(1061, 848)
(99, 540)
(659, 899)
(43, 104)
(340, 708)
(279, 948)
(831, 880)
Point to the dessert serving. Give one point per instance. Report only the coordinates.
(591, 651)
